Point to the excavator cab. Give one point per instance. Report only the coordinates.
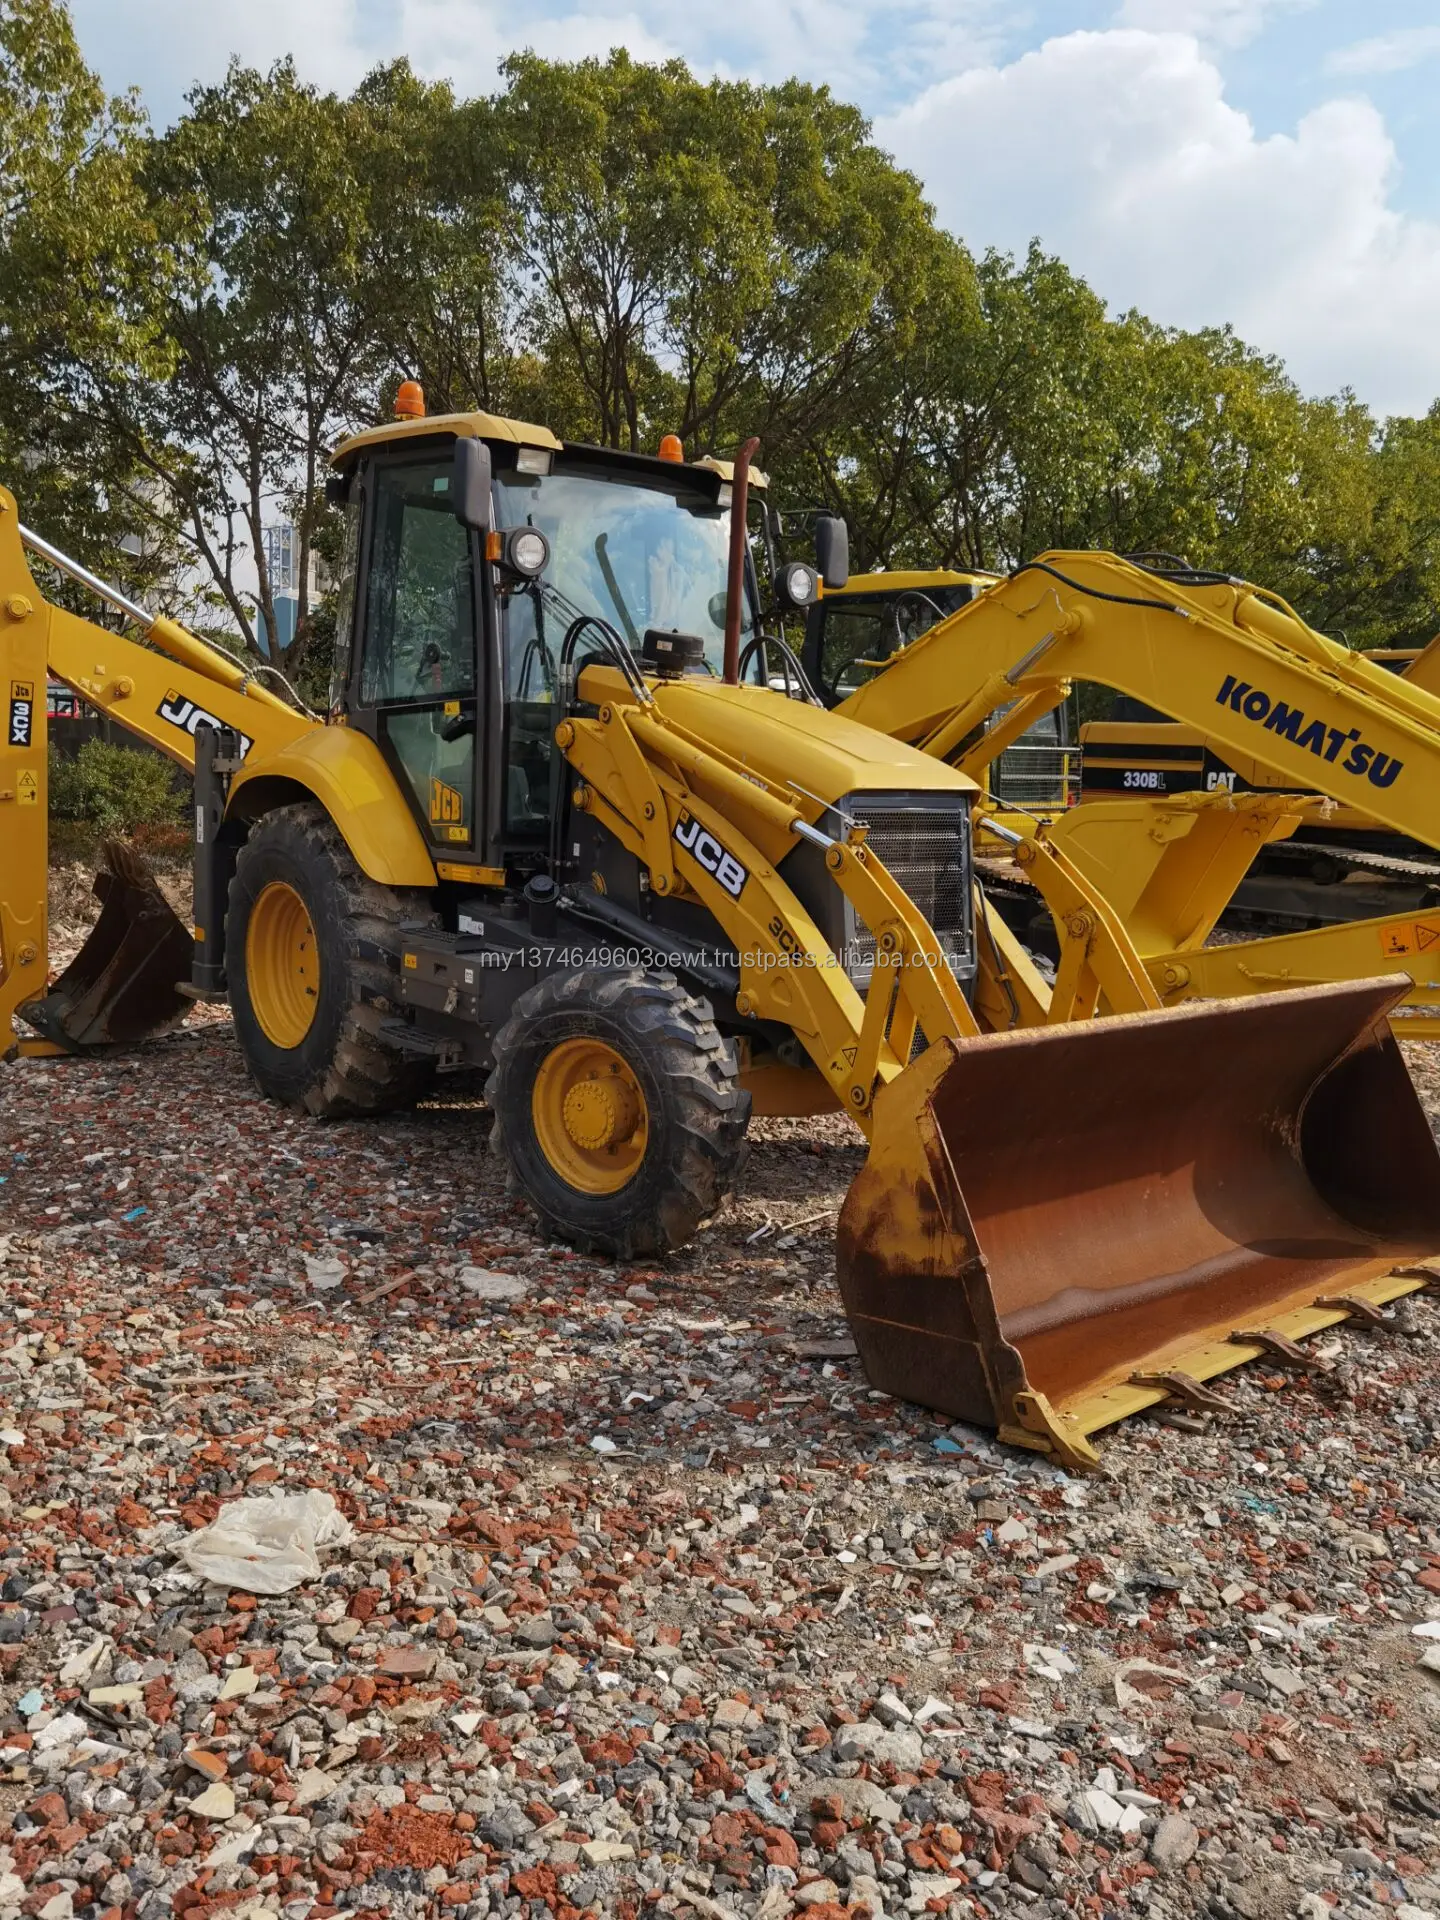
(853, 631)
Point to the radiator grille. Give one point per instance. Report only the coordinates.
(924, 841)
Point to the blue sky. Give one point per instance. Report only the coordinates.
(1274, 164)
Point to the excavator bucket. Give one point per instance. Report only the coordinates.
(123, 983)
(1060, 1227)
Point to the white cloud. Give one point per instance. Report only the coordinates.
(1387, 52)
(166, 46)
(1220, 23)
(879, 51)
(464, 40)
(1120, 152)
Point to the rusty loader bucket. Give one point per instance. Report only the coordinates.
(123, 983)
(1062, 1226)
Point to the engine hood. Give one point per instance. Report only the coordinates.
(817, 751)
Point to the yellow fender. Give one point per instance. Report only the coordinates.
(346, 772)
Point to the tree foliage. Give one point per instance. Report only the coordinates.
(189, 319)
(81, 256)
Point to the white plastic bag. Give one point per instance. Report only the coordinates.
(268, 1544)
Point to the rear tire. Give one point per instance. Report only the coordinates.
(618, 1109)
(304, 929)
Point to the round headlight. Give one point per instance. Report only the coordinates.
(799, 584)
(527, 551)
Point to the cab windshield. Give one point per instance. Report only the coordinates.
(636, 555)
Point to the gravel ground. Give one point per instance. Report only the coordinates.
(647, 1601)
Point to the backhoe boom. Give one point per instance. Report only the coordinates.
(160, 692)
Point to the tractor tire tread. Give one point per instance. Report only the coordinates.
(696, 1063)
(363, 1074)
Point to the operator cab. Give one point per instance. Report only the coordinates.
(473, 546)
(852, 633)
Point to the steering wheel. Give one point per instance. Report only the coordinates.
(932, 607)
(430, 656)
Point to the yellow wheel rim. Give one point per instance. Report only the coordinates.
(282, 965)
(590, 1116)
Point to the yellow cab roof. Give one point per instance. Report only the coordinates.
(518, 433)
(912, 582)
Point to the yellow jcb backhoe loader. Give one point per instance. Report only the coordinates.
(650, 895)
(1338, 728)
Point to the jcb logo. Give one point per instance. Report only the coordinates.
(184, 714)
(700, 842)
(22, 712)
(447, 806)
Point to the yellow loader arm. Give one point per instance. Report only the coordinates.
(646, 775)
(672, 798)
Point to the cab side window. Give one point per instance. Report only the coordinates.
(420, 608)
(856, 630)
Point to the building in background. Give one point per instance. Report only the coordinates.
(282, 559)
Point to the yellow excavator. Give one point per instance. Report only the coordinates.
(1339, 731)
(558, 824)
(1338, 865)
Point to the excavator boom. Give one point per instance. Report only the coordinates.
(1222, 654)
(1218, 656)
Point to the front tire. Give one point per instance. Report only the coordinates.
(618, 1109)
(303, 934)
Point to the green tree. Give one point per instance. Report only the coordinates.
(188, 322)
(272, 336)
(82, 256)
(441, 294)
(707, 258)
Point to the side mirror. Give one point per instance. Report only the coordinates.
(470, 485)
(832, 550)
(337, 489)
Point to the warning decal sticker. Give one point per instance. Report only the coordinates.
(1400, 939)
